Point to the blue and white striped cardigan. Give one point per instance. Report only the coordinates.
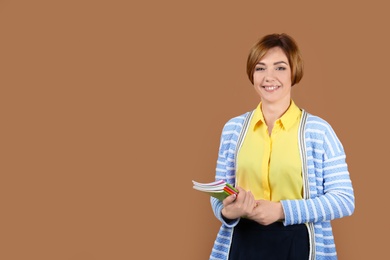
(327, 188)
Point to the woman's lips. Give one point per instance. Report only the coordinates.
(271, 88)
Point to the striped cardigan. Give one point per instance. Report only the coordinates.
(327, 188)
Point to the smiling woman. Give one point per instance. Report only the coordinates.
(272, 81)
(287, 164)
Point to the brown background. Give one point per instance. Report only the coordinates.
(110, 108)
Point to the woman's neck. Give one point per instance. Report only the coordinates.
(273, 111)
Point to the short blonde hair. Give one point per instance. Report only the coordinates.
(289, 47)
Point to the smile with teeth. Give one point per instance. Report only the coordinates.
(271, 88)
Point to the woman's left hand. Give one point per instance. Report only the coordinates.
(267, 212)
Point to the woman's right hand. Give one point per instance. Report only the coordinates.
(240, 205)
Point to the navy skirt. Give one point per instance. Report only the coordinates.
(252, 241)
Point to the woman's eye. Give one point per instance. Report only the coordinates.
(280, 68)
(259, 69)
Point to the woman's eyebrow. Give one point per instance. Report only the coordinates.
(275, 63)
(279, 62)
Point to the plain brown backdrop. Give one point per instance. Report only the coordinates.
(110, 108)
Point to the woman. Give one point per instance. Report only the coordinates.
(288, 165)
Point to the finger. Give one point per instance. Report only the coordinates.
(241, 195)
(229, 199)
(260, 203)
(250, 200)
(248, 204)
(240, 189)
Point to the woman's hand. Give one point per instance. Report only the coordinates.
(240, 205)
(267, 212)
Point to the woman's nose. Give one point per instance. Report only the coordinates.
(269, 76)
(269, 79)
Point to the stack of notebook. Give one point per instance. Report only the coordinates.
(218, 189)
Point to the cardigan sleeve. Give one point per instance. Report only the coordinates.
(221, 169)
(329, 177)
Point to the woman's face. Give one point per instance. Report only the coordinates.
(272, 77)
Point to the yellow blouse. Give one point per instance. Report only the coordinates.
(270, 165)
